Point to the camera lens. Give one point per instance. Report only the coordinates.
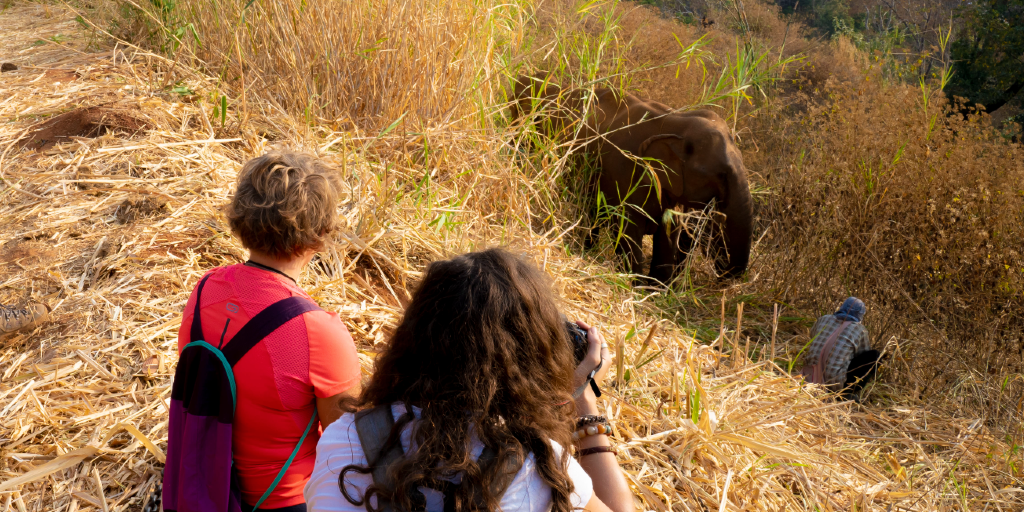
(577, 341)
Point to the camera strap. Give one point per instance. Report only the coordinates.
(590, 380)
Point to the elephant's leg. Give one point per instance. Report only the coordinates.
(630, 244)
(663, 258)
(671, 246)
(684, 245)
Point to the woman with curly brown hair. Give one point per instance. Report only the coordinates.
(472, 403)
(291, 368)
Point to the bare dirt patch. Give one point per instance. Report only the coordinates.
(29, 253)
(60, 75)
(83, 122)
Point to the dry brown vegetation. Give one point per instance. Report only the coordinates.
(917, 209)
(113, 227)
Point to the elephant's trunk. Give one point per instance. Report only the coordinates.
(737, 229)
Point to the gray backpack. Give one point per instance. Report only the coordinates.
(374, 427)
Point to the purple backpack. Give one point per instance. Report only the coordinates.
(198, 475)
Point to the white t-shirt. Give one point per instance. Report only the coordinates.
(339, 446)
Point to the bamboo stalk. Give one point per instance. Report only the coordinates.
(736, 337)
(99, 489)
(775, 328)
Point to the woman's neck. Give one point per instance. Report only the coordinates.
(291, 267)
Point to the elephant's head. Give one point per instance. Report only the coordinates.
(527, 90)
(703, 163)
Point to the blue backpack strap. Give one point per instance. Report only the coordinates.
(264, 323)
(287, 463)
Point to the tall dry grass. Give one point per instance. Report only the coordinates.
(700, 426)
(888, 193)
(892, 174)
(340, 65)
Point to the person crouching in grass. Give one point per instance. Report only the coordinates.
(840, 355)
(283, 210)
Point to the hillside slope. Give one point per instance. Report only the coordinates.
(111, 212)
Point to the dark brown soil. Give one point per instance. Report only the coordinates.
(7, 66)
(82, 122)
(130, 211)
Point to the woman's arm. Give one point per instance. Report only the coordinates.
(331, 408)
(611, 492)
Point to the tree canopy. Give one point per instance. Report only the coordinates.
(988, 52)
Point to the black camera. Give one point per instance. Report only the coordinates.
(577, 341)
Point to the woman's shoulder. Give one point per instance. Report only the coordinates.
(344, 430)
(226, 272)
(341, 431)
(338, 447)
(213, 274)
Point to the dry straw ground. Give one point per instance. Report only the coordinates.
(113, 224)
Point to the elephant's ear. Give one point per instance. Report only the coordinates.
(659, 148)
(647, 143)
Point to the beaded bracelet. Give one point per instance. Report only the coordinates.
(589, 419)
(591, 430)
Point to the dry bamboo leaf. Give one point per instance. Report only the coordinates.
(151, 367)
(131, 429)
(65, 461)
(95, 365)
(88, 498)
(758, 446)
(99, 489)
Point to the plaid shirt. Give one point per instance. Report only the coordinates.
(852, 340)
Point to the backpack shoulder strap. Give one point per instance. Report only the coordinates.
(502, 480)
(374, 427)
(264, 323)
(196, 333)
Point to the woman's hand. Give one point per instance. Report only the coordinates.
(611, 493)
(597, 353)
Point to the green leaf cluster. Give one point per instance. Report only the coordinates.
(988, 52)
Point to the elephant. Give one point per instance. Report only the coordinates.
(692, 155)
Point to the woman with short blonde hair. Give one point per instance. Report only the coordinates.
(283, 211)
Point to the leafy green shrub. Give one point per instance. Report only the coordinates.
(987, 52)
